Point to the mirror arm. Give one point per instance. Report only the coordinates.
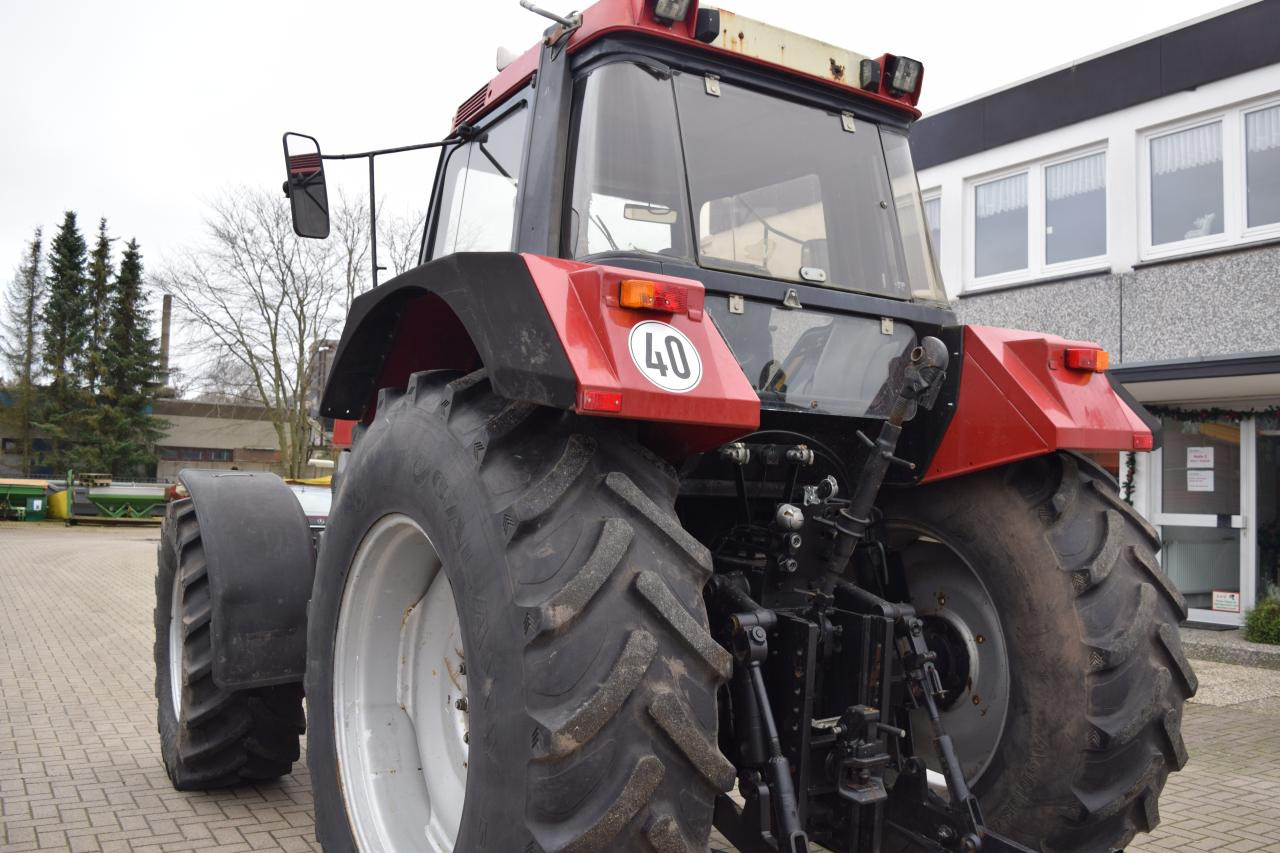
(462, 134)
(299, 180)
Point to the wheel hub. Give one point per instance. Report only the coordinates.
(951, 642)
(963, 627)
(400, 694)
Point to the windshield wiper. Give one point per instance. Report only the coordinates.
(604, 229)
(767, 224)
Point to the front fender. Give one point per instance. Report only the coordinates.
(260, 562)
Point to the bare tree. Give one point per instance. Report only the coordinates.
(256, 299)
(400, 241)
(223, 380)
(19, 344)
(350, 239)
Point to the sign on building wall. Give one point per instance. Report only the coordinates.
(1200, 457)
(1199, 480)
(1226, 601)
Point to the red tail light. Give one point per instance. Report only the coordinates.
(601, 401)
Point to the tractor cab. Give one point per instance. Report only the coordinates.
(789, 196)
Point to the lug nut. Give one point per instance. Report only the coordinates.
(461, 704)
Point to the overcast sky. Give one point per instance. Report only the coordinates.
(141, 110)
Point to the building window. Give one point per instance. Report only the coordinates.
(1075, 209)
(1262, 166)
(1000, 225)
(1186, 184)
(193, 454)
(1213, 183)
(933, 217)
(1046, 219)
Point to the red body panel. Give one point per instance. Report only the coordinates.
(582, 300)
(342, 432)
(611, 16)
(1017, 399)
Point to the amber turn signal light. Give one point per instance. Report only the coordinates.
(1087, 358)
(656, 296)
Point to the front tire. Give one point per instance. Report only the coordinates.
(588, 705)
(1097, 677)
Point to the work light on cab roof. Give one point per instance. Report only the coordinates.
(897, 77)
(890, 80)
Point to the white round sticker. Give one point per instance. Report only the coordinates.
(665, 356)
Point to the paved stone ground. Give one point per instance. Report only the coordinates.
(80, 768)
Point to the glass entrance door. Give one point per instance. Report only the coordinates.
(1199, 495)
(1267, 506)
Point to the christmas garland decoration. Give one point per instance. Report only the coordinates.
(1130, 470)
(1212, 413)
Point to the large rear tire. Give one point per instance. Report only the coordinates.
(210, 737)
(588, 715)
(1096, 674)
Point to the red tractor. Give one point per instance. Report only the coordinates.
(679, 498)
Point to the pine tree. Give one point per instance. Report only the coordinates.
(90, 362)
(22, 332)
(127, 431)
(64, 311)
(65, 328)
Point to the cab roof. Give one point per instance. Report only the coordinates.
(737, 36)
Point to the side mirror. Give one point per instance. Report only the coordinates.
(305, 187)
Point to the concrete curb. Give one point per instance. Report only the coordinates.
(1228, 647)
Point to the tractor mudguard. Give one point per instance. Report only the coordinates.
(549, 332)
(261, 563)
(457, 312)
(1019, 399)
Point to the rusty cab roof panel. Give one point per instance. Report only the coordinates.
(741, 37)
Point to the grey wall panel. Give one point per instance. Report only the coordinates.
(1084, 309)
(1227, 304)
(1220, 305)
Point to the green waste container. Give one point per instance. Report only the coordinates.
(37, 508)
(16, 497)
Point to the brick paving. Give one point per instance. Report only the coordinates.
(80, 767)
(79, 756)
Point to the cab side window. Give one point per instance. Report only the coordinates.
(477, 207)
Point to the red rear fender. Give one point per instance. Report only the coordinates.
(693, 392)
(1018, 399)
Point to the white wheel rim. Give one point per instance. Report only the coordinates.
(398, 678)
(945, 588)
(175, 646)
